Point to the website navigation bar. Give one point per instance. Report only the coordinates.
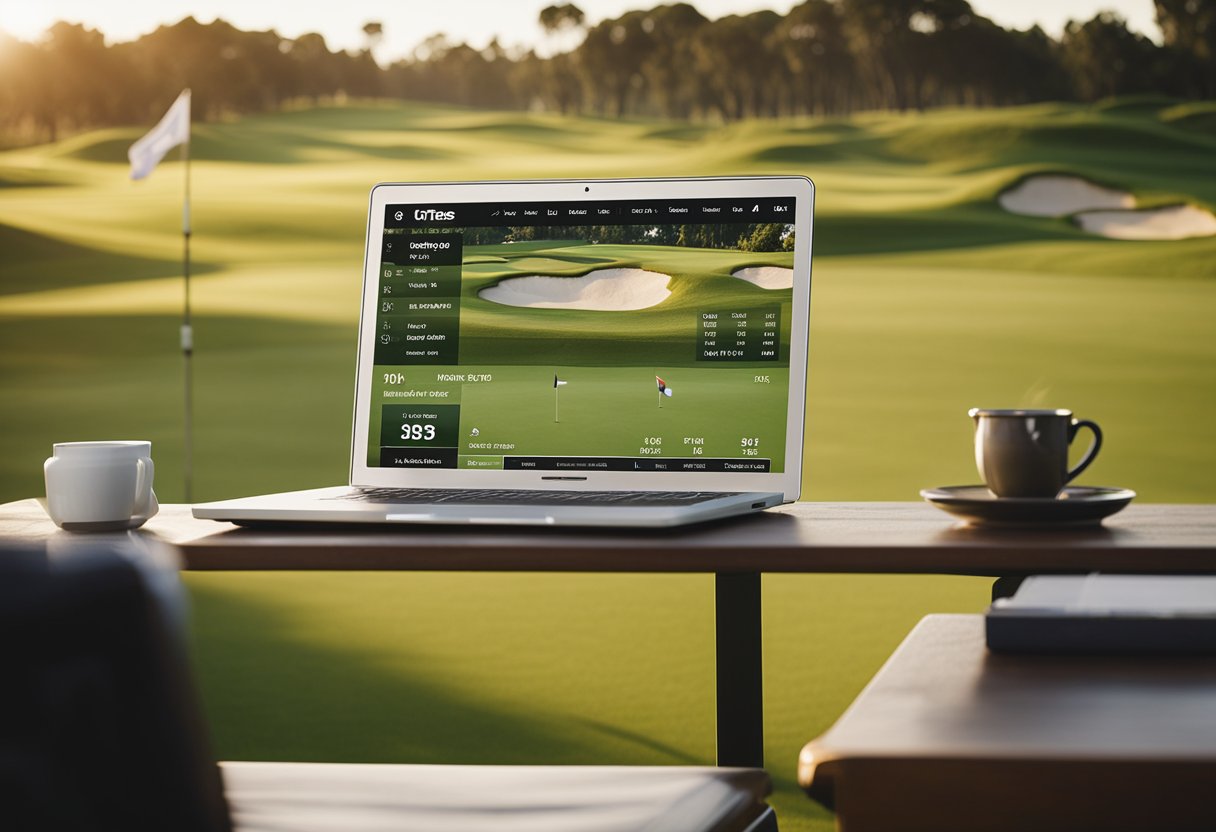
(630, 212)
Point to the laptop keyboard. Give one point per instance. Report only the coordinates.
(511, 497)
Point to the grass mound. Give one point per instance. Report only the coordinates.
(1197, 116)
(37, 263)
(1148, 105)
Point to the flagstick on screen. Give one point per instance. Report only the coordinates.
(664, 390)
(557, 384)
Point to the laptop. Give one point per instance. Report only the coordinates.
(624, 353)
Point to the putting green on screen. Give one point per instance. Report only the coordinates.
(598, 411)
(927, 299)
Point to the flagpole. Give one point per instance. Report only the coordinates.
(187, 328)
(555, 390)
(172, 130)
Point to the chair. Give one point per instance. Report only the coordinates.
(100, 729)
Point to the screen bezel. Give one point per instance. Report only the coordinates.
(788, 482)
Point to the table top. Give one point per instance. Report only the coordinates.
(802, 537)
(945, 727)
(942, 694)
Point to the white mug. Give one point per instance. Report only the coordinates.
(100, 486)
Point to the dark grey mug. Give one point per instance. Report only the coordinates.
(1024, 453)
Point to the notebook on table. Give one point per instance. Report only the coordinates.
(1098, 614)
(576, 352)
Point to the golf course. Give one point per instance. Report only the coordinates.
(928, 298)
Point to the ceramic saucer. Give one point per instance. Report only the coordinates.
(1077, 505)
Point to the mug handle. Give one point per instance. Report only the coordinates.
(145, 498)
(1094, 446)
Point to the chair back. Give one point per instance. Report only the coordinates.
(100, 727)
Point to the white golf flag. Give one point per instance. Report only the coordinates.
(173, 129)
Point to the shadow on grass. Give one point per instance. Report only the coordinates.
(973, 226)
(681, 134)
(34, 263)
(271, 695)
(247, 143)
(846, 149)
(20, 177)
(676, 756)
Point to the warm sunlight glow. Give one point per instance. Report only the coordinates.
(26, 21)
(473, 21)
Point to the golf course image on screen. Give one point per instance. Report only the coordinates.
(627, 347)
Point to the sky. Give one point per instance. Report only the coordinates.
(406, 24)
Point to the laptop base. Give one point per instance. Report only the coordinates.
(331, 505)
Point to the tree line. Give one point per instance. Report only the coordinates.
(825, 57)
(767, 236)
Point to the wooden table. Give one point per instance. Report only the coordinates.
(950, 737)
(804, 537)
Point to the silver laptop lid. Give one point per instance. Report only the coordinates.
(644, 334)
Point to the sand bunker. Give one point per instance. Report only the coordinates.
(604, 290)
(767, 277)
(1104, 211)
(1177, 222)
(1059, 196)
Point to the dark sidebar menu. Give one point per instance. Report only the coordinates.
(418, 322)
(418, 317)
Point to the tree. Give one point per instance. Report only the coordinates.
(1188, 28)
(821, 72)
(1106, 59)
(555, 80)
(822, 57)
(562, 19)
(314, 71)
(878, 33)
(612, 58)
(735, 63)
(373, 31)
(769, 236)
(672, 89)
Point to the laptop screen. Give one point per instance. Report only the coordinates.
(641, 335)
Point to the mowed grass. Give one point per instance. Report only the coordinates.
(927, 299)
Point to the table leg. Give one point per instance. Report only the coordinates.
(740, 668)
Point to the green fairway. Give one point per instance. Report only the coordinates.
(927, 299)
